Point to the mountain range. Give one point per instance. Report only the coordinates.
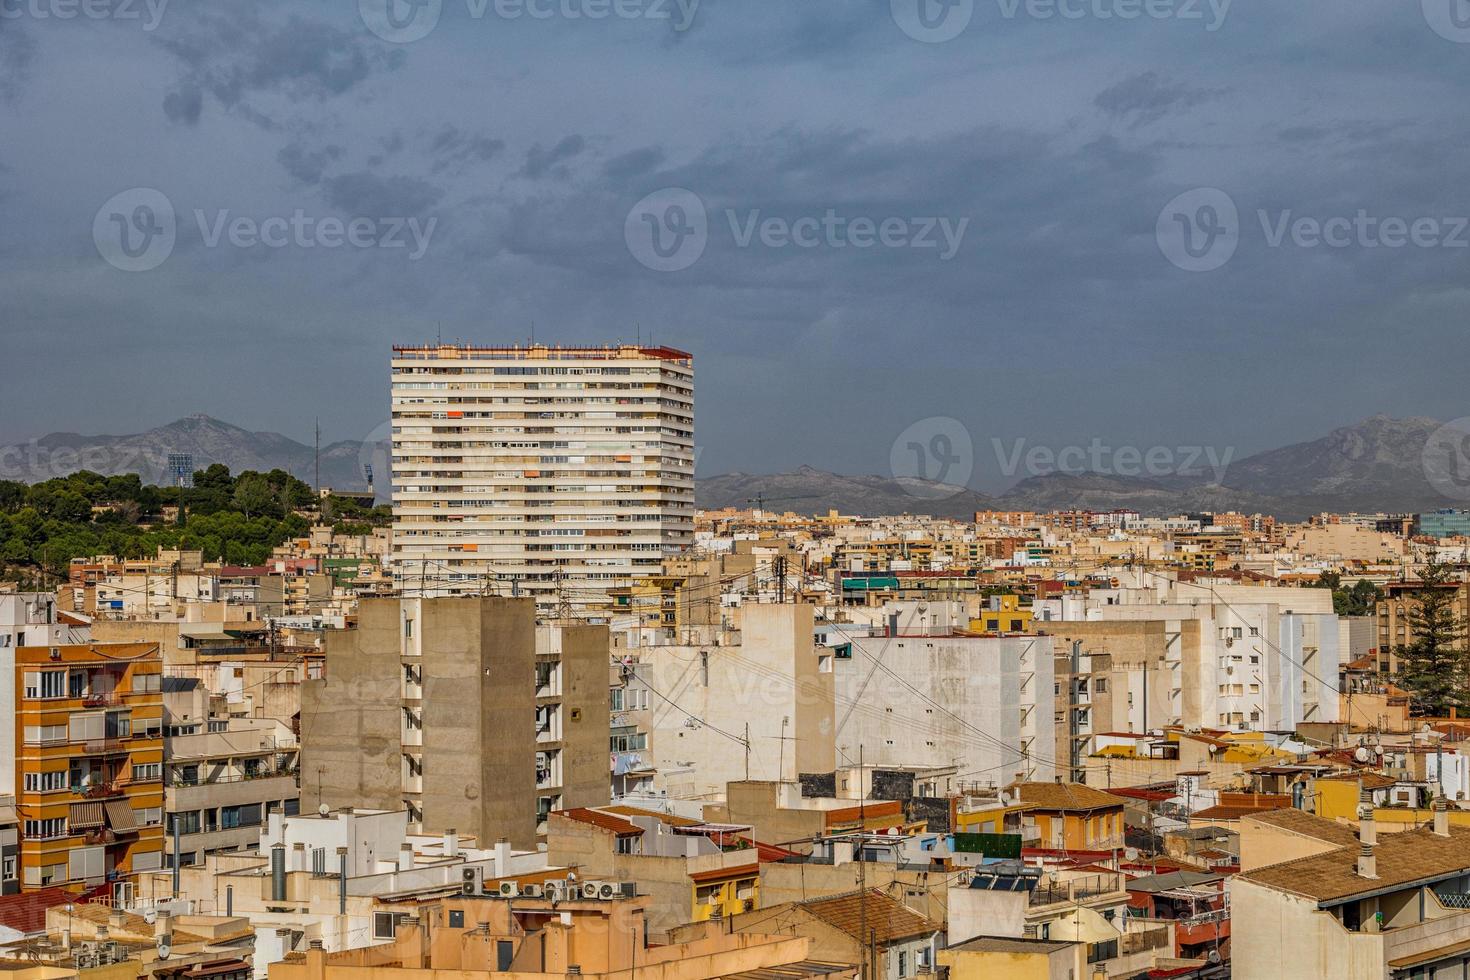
(1379, 464)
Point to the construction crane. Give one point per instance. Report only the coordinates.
(760, 499)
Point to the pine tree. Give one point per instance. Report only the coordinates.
(1433, 666)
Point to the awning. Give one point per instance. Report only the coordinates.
(120, 816)
(85, 816)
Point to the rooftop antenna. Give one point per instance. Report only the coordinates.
(533, 333)
(318, 460)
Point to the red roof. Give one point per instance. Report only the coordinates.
(720, 874)
(26, 912)
(606, 821)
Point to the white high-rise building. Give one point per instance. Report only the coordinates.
(555, 472)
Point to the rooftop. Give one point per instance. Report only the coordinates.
(1003, 944)
(1308, 825)
(887, 920)
(1410, 857)
(1065, 796)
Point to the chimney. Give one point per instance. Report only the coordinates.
(1367, 831)
(1367, 863)
(502, 857)
(405, 858)
(1441, 817)
(161, 925)
(451, 843)
(278, 872)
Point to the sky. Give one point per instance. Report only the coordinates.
(875, 223)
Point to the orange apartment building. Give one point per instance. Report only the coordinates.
(87, 751)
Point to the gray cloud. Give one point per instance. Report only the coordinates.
(451, 148)
(17, 53)
(305, 165)
(370, 195)
(634, 163)
(1148, 97)
(236, 53)
(541, 162)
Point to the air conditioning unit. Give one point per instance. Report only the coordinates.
(607, 890)
(473, 881)
(628, 889)
(589, 889)
(554, 891)
(509, 889)
(531, 891)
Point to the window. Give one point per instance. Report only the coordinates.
(1100, 685)
(407, 635)
(385, 924)
(7, 869)
(144, 683)
(46, 684)
(47, 782)
(627, 845)
(147, 771)
(186, 822)
(903, 962)
(824, 664)
(47, 829)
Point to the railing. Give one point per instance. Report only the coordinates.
(175, 780)
(1071, 890)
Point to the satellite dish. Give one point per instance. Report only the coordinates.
(1361, 754)
(165, 947)
(150, 916)
(324, 810)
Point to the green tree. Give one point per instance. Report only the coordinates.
(1433, 665)
(254, 495)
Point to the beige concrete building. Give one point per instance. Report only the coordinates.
(417, 710)
(1390, 907)
(558, 471)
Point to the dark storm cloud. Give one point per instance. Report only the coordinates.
(634, 163)
(541, 162)
(1147, 97)
(371, 195)
(17, 52)
(306, 165)
(451, 148)
(1057, 318)
(235, 53)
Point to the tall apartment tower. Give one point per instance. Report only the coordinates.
(462, 711)
(551, 472)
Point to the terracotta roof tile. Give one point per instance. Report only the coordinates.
(1308, 825)
(1402, 858)
(606, 821)
(1066, 796)
(886, 919)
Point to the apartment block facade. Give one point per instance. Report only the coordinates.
(428, 706)
(87, 772)
(552, 472)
